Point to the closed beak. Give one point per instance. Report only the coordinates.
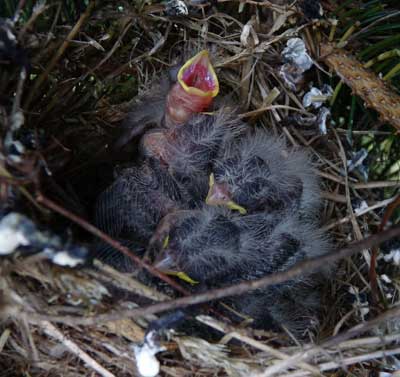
(219, 195)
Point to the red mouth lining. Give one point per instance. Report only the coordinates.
(198, 76)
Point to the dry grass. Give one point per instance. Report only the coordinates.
(85, 72)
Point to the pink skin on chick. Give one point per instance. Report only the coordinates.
(196, 87)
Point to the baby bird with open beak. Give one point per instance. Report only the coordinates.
(216, 248)
(171, 103)
(259, 173)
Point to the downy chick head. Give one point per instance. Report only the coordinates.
(189, 149)
(172, 102)
(202, 244)
(259, 173)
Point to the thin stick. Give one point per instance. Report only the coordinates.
(346, 361)
(346, 219)
(53, 332)
(373, 278)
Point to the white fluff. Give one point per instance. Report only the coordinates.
(361, 208)
(322, 117)
(308, 99)
(63, 258)
(10, 239)
(12, 233)
(147, 363)
(296, 53)
(322, 94)
(393, 257)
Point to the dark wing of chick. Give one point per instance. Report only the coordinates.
(115, 258)
(258, 173)
(137, 200)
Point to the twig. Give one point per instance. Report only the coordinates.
(376, 184)
(18, 93)
(234, 290)
(126, 282)
(271, 107)
(346, 219)
(111, 52)
(37, 11)
(3, 338)
(115, 244)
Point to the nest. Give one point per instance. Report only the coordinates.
(68, 79)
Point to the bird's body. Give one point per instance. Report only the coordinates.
(136, 201)
(216, 248)
(259, 173)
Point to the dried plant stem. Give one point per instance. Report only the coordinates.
(346, 219)
(53, 332)
(346, 361)
(374, 253)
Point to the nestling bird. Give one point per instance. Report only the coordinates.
(217, 248)
(137, 200)
(259, 173)
(171, 103)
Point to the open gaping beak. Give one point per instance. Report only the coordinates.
(196, 87)
(197, 77)
(219, 195)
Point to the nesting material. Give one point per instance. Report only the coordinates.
(14, 229)
(146, 361)
(86, 68)
(296, 53)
